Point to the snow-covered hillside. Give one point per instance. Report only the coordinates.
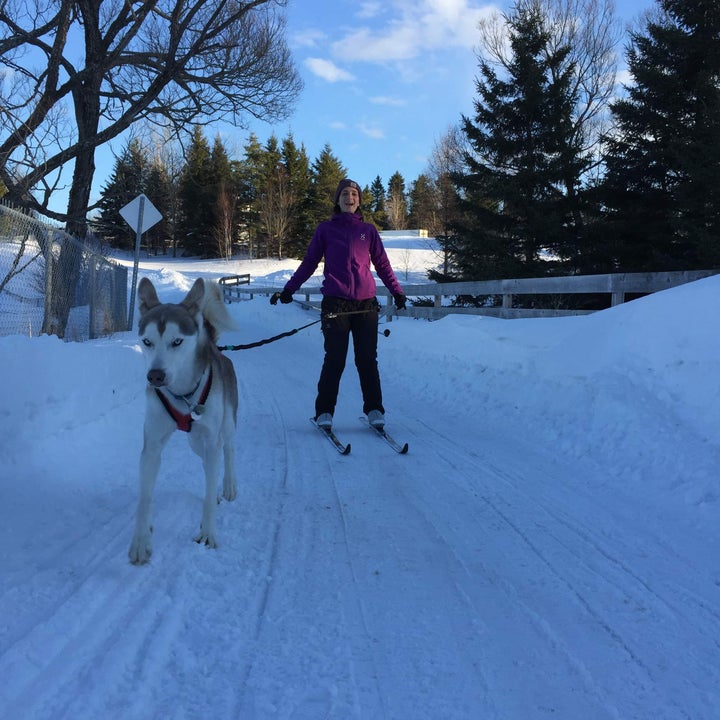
(547, 549)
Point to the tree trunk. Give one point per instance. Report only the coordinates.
(66, 269)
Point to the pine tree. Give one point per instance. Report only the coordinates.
(662, 185)
(327, 172)
(127, 181)
(224, 208)
(376, 209)
(166, 167)
(297, 166)
(524, 156)
(423, 205)
(249, 174)
(159, 193)
(198, 195)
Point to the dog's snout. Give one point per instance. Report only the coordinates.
(156, 377)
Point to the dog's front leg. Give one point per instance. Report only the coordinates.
(141, 545)
(211, 463)
(229, 481)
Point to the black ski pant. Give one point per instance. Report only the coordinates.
(341, 319)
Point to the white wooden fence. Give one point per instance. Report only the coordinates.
(616, 285)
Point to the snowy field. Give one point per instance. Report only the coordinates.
(547, 549)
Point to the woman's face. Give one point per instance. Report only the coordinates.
(349, 200)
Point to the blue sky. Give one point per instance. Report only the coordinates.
(383, 81)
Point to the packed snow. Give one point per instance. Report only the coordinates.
(547, 549)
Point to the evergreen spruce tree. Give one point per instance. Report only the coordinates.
(225, 198)
(127, 181)
(198, 194)
(662, 184)
(423, 205)
(376, 209)
(366, 202)
(272, 199)
(250, 176)
(159, 192)
(524, 155)
(327, 172)
(297, 165)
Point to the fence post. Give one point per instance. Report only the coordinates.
(48, 281)
(92, 299)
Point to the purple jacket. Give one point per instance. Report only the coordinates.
(348, 245)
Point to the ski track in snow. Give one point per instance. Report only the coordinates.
(457, 582)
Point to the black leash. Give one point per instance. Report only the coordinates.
(268, 340)
(330, 316)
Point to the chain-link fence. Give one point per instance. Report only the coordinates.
(52, 283)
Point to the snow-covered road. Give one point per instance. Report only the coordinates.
(490, 573)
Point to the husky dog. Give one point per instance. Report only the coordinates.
(191, 387)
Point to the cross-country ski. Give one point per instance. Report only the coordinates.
(382, 433)
(342, 448)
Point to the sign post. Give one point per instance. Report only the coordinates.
(140, 214)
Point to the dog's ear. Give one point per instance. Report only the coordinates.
(193, 301)
(147, 295)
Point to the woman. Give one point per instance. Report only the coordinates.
(349, 306)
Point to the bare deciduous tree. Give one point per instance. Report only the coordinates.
(226, 218)
(275, 204)
(170, 62)
(445, 161)
(589, 29)
(79, 73)
(396, 203)
(167, 155)
(19, 262)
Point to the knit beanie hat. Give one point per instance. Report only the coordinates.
(347, 183)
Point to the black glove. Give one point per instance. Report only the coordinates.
(285, 297)
(400, 301)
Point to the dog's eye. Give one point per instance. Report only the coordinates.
(177, 342)
(146, 342)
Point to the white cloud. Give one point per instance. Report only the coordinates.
(391, 101)
(413, 29)
(375, 133)
(327, 70)
(370, 9)
(307, 38)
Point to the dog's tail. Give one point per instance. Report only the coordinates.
(214, 311)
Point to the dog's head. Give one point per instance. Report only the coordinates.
(173, 337)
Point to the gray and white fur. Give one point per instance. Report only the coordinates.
(179, 344)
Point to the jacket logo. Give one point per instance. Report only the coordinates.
(362, 236)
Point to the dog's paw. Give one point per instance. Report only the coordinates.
(229, 490)
(140, 550)
(205, 538)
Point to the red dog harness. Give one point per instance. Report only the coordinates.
(184, 420)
